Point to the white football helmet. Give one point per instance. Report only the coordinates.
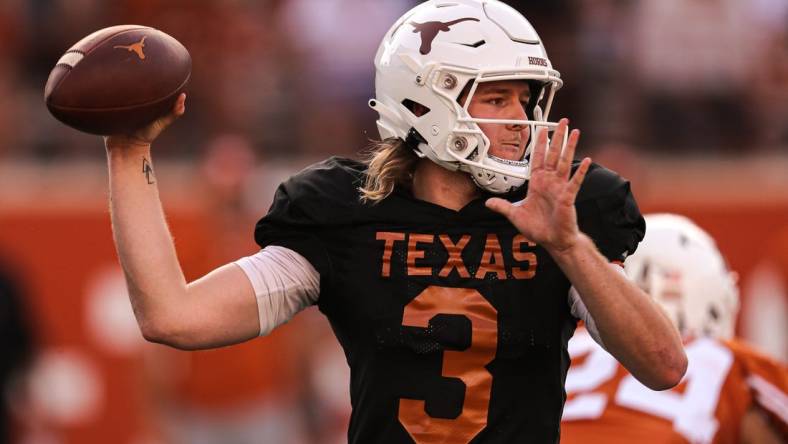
(679, 265)
(431, 54)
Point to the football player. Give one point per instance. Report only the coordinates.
(444, 262)
(730, 394)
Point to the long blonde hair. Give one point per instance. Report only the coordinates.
(390, 162)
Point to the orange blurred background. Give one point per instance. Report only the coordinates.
(686, 99)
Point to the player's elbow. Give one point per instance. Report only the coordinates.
(673, 366)
(156, 331)
(165, 330)
(666, 381)
(679, 370)
(154, 335)
(169, 335)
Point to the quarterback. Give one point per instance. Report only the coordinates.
(730, 394)
(453, 263)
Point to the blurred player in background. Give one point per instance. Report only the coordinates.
(764, 319)
(16, 350)
(453, 307)
(730, 394)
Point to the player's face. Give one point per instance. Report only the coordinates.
(505, 99)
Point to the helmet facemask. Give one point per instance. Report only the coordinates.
(492, 173)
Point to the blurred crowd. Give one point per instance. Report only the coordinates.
(293, 76)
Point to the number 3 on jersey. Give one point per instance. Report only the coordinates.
(467, 365)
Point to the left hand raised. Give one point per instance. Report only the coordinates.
(547, 215)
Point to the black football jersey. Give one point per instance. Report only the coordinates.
(455, 326)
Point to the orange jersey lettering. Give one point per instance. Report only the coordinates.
(426, 257)
(389, 238)
(492, 259)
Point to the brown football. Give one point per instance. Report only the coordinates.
(118, 79)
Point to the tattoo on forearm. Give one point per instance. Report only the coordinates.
(147, 170)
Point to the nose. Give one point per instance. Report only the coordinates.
(516, 112)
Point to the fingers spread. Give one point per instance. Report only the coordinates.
(565, 163)
(551, 160)
(537, 158)
(577, 179)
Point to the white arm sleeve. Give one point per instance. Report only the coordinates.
(579, 310)
(284, 283)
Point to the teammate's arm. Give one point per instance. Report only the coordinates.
(632, 327)
(756, 429)
(218, 309)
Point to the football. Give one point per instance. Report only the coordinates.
(117, 79)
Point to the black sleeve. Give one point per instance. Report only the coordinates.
(308, 206)
(608, 213)
(285, 225)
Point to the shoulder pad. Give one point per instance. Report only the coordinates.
(599, 181)
(323, 193)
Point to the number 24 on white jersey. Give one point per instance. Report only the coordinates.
(691, 412)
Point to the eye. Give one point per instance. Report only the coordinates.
(495, 101)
